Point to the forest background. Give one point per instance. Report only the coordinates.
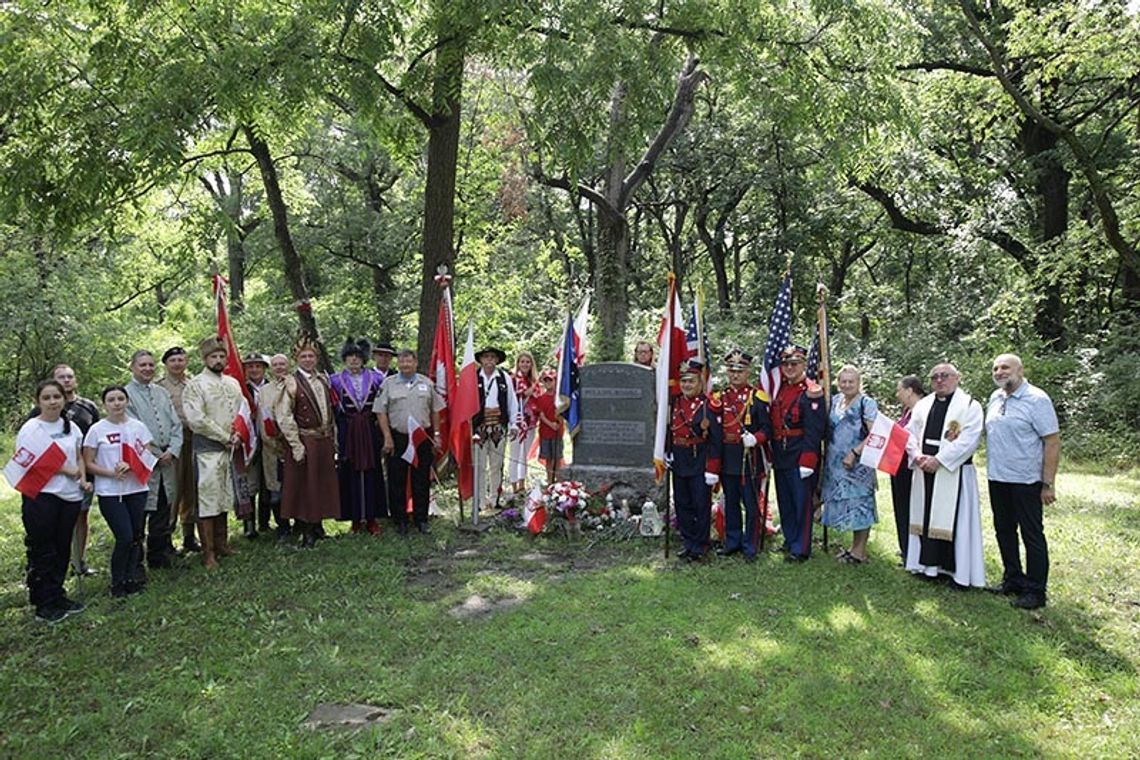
(962, 177)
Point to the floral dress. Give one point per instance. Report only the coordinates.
(849, 495)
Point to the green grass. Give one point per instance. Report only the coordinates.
(612, 652)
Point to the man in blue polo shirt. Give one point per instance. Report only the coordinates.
(1023, 445)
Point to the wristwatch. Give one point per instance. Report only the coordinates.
(1046, 484)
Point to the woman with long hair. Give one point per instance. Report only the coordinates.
(525, 378)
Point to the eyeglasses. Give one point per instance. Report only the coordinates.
(940, 375)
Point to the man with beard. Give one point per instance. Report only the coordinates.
(1023, 446)
(945, 520)
(310, 490)
(151, 405)
(212, 401)
(174, 360)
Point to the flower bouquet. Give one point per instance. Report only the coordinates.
(565, 499)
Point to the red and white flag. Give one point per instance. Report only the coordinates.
(885, 448)
(234, 367)
(442, 363)
(464, 407)
(247, 432)
(139, 458)
(34, 463)
(673, 351)
(416, 437)
(534, 513)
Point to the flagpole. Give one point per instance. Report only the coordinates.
(825, 378)
(668, 478)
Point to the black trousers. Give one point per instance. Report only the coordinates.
(48, 524)
(1018, 507)
(398, 480)
(900, 498)
(159, 528)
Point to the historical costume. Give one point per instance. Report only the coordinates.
(798, 423)
(304, 413)
(695, 443)
(362, 496)
(945, 521)
(747, 427)
(186, 510)
(493, 424)
(212, 401)
(849, 494)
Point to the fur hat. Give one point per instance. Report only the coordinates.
(306, 343)
(210, 345)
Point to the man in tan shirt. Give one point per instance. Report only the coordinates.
(174, 360)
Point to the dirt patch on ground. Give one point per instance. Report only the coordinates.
(476, 607)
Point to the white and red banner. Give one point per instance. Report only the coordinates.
(247, 431)
(139, 458)
(534, 513)
(234, 366)
(581, 343)
(885, 448)
(417, 436)
(442, 363)
(673, 351)
(463, 408)
(34, 463)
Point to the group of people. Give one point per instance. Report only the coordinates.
(724, 439)
(359, 445)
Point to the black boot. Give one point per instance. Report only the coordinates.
(249, 529)
(190, 543)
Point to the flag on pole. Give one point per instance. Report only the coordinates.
(569, 388)
(534, 512)
(417, 436)
(463, 408)
(234, 366)
(35, 462)
(442, 362)
(779, 336)
(697, 340)
(247, 431)
(139, 458)
(885, 448)
(581, 326)
(672, 351)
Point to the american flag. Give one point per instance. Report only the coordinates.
(697, 342)
(779, 334)
(812, 369)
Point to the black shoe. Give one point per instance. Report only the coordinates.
(72, 607)
(248, 530)
(190, 545)
(159, 561)
(699, 559)
(134, 587)
(683, 554)
(119, 591)
(1006, 588)
(722, 552)
(319, 532)
(50, 615)
(402, 528)
(423, 528)
(954, 585)
(1030, 600)
(283, 532)
(750, 558)
(308, 540)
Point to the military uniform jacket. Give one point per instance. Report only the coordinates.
(742, 410)
(695, 436)
(799, 420)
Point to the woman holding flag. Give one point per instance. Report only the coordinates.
(525, 378)
(849, 487)
(115, 452)
(49, 474)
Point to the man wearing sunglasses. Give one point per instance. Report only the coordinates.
(945, 516)
(1023, 447)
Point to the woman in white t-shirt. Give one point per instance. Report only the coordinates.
(49, 515)
(122, 496)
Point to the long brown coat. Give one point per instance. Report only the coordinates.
(309, 491)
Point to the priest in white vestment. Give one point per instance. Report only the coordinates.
(945, 513)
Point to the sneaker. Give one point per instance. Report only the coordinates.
(71, 607)
(50, 615)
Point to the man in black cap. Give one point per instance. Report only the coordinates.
(695, 443)
(492, 425)
(382, 355)
(261, 472)
(798, 422)
(747, 425)
(174, 380)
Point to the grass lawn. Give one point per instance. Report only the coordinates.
(602, 650)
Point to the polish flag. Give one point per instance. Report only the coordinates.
(463, 409)
(247, 432)
(671, 342)
(234, 368)
(139, 458)
(885, 448)
(34, 464)
(416, 437)
(534, 513)
(442, 362)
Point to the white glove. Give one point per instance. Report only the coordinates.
(669, 461)
(711, 478)
(748, 440)
(806, 472)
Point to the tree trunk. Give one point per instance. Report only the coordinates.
(610, 290)
(1052, 190)
(439, 190)
(294, 273)
(235, 249)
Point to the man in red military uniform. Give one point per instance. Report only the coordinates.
(798, 423)
(746, 425)
(695, 443)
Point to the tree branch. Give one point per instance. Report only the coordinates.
(961, 68)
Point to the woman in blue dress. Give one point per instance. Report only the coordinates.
(849, 487)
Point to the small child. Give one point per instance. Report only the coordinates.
(549, 425)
